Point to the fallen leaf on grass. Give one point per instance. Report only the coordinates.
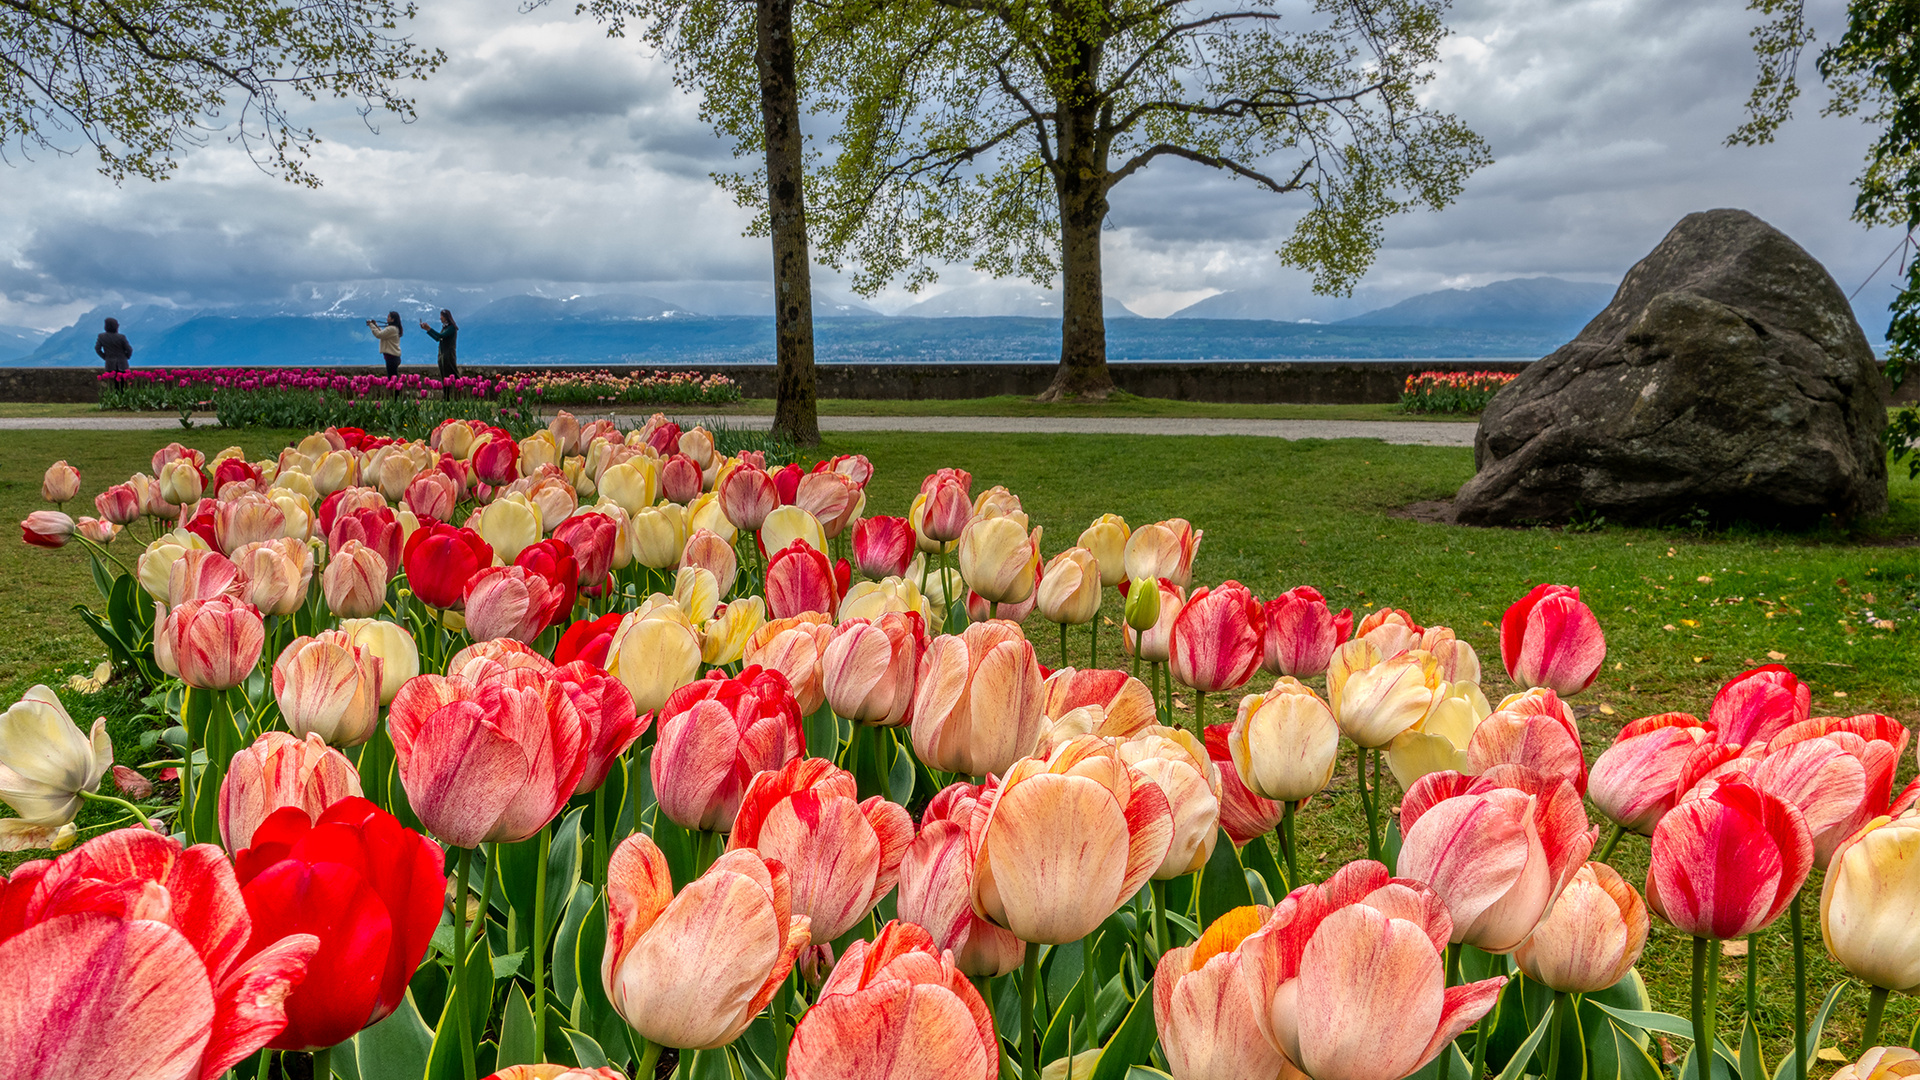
(1734, 947)
(1668, 1055)
(1606, 710)
(1689, 622)
(1705, 579)
(1775, 654)
(1669, 626)
(1830, 1053)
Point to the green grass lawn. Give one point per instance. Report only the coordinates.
(1682, 611)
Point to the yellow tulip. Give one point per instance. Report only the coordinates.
(728, 633)
(399, 657)
(871, 599)
(537, 449)
(697, 592)
(998, 559)
(659, 535)
(1107, 539)
(1070, 588)
(631, 483)
(1284, 742)
(654, 652)
(705, 513)
(511, 524)
(1438, 743)
(336, 469)
(1376, 699)
(789, 523)
(1870, 904)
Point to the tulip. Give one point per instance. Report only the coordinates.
(1871, 743)
(399, 657)
(551, 494)
(705, 513)
(155, 566)
(843, 855)
(1438, 741)
(557, 1072)
(1125, 703)
(327, 687)
(246, 519)
(508, 524)
(1632, 781)
(788, 525)
(346, 502)
(1245, 816)
(432, 495)
(980, 609)
(1145, 612)
(181, 482)
(1163, 549)
(440, 560)
(658, 534)
(1069, 592)
(510, 602)
(1539, 735)
(715, 735)
(198, 520)
(1216, 639)
(61, 482)
(724, 637)
(1373, 698)
(588, 639)
(868, 668)
(1352, 977)
(999, 559)
(697, 593)
(537, 451)
(591, 538)
(1106, 538)
(883, 546)
(1455, 659)
(96, 530)
(487, 762)
(833, 499)
(1727, 860)
(747, 496)
(47, 529)
(1870, 904)
(279, 771)
(119, 504)
(1068, 839)
(936, 887)
(553, 560)
(871, 599)
(1756, 705)
(1178, 763)
(144, 963)
(897, 1009)
(209, 644)
(355, 581)
(484, 660)
(706, 550)
(800, 579)
(607, 717)
(1284, 742)
(297, 516)
(1882, 1063)
(1301, 632)
(693, 970)
(276, 575)
(496, 460)
(977, 702)
(336, 470)
(1592, 937)
(1549, 638)
(368, 887)
(654, 653)
(680, 479)
(1208, 1006)
(201, 575)
(46, 762)
(1498, 849)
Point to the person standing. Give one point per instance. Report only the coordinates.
(389, 336)
(114, 348)
(447, 334)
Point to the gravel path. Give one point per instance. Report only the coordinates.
(1406, 433)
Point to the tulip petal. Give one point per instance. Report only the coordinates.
(250, 1003)
(1370, 988)
(1059, 852)
(891, 1031)
(456, 769)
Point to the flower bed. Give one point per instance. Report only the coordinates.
(1452, 391)
(936, 853)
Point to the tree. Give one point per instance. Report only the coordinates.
(1873, 72)
(996, 130)
(143, 81)
(744, 57)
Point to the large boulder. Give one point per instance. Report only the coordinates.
(1728, 377)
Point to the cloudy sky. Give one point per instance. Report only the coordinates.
(547, 153)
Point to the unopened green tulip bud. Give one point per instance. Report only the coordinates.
(1143, 604)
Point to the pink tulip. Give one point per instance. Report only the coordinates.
(1532, 731)
(714, 736)
(896, 1009)
(844, 855)
(592, 538)
(140, 963)
(883, 547)
(947, 511)
(487, 762)
(747, 496)
(868, 668)
(793, 648)
(1353, 977)
(1549, 638)
(120, 504)
(432, 494)
(800, 578)
(247, 519)
(278, 771)
(1245, 816)
(1301, 633)
(1633, 781)
(1216, 639)
(1756, 705)
(378, 529)
(680, 479)
(1592, 937)
(47, 529)
(607, 718)
(936, 887)
(201, 575)
(496, 460)
(831, 497)
(1125, 704)
(691, 971)
(977, 700)
(60, 483)
(355, 581)
(509, 602)
(209, 644)
(1497, 848)
(1209, 1006)
(1726, 860)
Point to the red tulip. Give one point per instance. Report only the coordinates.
(234, 470)
(1549, 638)
(1633, 781)
(799, 578)
(1877, 742)
(130, 958)
(1216, 642)
(844, 855)
(883, 546)
(606, 714)
(1726, 860)
(1301, 632)
(714, 735)
(175, 452)
(1244, 815)
(896, 1009)
(553, 559)
(487, 762)
(592, 537)
(202, 520)
(346, 501)
(368, 887)
(588, 640)
(936, 887)
(1535, 730)
(211, 644)
(1497, 848)
(680, 479)
(440, 560)
(663, 436)
(47, 529)
(786, 481)
(378, 529)
(747, 496)
(1756, 705)
(276, 772)
(510, 602)
(496, 461)
(1838, 778)
(119, 504)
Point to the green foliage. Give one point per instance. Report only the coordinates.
(143, 81)
(1452, 391)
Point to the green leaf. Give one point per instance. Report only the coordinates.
(1753, 1063)
(1390, 845)
(516, 1030)
(396, 1048)
(1146, 1072)
(566, 971)
(1064, 964)
(1664, 1023)
(475, 996)
(704, 1065)
(1517, 1067)
(1069, 1019)
(677, 845)
(102, 580)
(1131, 1043)
(587, 1052)
(823, 734)
(1257, 857)
(1613, 1054)
(508, 965)
(1815, 1030)
(1462, 1068)
(1223, 883)
(900, 781)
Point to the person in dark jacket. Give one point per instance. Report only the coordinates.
(448, 333)
(114, 348)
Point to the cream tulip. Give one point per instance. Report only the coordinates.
(1438, 742)
(785, 524)
(1070, 588)
(1284, 742)
(399, 657)
(1106, 538)
(998, 558)
(1870, 904)
(46, 761)
(654, 652)
(511, 524)
(1178, 764)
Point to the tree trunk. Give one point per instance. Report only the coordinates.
(795, 409)
(1081, 184)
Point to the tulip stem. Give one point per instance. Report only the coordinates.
(1800, 1048)
(459, 996)
(1613, 841)
(323, 1063)
(1199, 715)
(1288, 843)
(1029, 1035)
(542, 848)
(1876, 1008)
(1367, 805)
(94, 796)
(1482, 1036)
(1063, 645)
(649, 1060)
(1159, 919)
(1553, 1034)
(1703, 994)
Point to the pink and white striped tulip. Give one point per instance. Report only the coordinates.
(1549, 638)
(896, 1008)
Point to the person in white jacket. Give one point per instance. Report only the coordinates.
(389, 336)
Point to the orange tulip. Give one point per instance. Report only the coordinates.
(868, 668)
(793, 648)
(1592, 937)
(329, 687)
(896, 1009)
(691, 971)
(977, 705)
